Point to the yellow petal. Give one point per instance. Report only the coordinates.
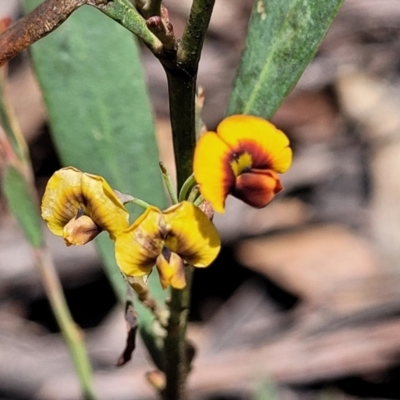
(171, 270)
(268, 146)
(137, 248)
(241, 163)
(191, 234)
(62, 199)
(212, 169)
(103, 205)
(70, 191)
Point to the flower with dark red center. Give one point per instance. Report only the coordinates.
(242, 158)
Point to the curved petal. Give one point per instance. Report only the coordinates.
(137, 248)
(70, 191)
(80, 230)
(191, 234)
(62, 198)
(268, 145)
(103, 205)
(212, 169)
(171, 270)
(257, 188)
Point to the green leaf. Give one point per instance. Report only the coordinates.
(100, 115)
(6, 123)
(21, 202)
(282, 38)
(94, 88)
(145, 318)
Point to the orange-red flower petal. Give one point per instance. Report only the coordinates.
(268, 146)
(242, 158)
(257, 188)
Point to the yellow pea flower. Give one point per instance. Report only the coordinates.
(78, 206)
(167, 239)
(243, 158)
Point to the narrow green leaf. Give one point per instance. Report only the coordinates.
(101, 119)
(6, 124)
(21, 202)
(282, 38)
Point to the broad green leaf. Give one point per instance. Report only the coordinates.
(282, 38)
(22, 204)
(101, 119)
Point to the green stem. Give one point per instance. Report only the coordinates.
(176, 361)
(182, 91)
(138, 202)
(8, 120)
(198, 201)
(189, 183)
(181, 69)
(124, 13)
(71, 333)
(168, 183)
(193, 36)
(194, 193)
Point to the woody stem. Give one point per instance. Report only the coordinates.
(181, 69)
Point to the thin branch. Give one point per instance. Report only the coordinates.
(168, 183)
(194, 34)
(34, 26)
(71, 333)
(52, 13)
(177, 352)
(125, 14)
(188, 185)
(182, 91)
(18, 151)
(181, 70)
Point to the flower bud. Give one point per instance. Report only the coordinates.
(80, 230)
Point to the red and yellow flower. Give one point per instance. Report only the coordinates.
(78, 206)
(242, 158)
(167, 239)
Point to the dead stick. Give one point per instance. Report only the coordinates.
(36, 25)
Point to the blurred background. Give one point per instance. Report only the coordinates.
(304, 300)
